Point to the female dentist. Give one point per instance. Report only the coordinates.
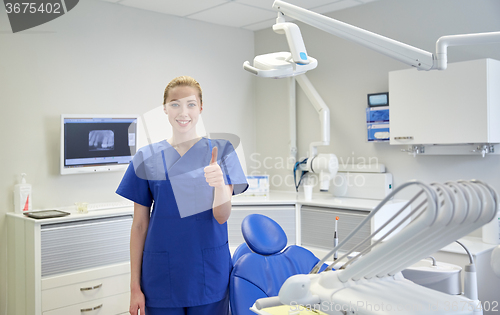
(179, 254)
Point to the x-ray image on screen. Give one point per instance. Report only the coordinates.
(101, 140)
(97, 143)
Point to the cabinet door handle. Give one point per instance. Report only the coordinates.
(91, 308)
(91, 288)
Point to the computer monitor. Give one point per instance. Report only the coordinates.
(97, 143)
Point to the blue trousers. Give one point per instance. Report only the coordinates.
(217, 308)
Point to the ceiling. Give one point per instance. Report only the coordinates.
(247, 14)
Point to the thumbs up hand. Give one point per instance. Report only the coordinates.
(213, 172)
(214, 156)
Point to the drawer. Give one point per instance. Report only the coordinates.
(112, 305)
(85, 275)
(85, 291)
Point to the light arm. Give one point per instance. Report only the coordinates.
(407, 54)
(322, 110)
(410, 55)
(465, 39)
(294, 39)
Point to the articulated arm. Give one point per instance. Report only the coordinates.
(410, 55)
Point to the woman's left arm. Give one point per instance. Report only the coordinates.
(222, 203)
(222, 195)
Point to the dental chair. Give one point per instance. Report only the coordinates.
(240, 251)
(261, 265)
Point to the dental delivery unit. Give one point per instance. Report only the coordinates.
(371, 282)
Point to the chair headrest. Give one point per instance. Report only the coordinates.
(263, 235)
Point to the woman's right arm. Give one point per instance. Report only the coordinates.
(137, 238)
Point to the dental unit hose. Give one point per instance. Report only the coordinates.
(470, 276)
(295, 168)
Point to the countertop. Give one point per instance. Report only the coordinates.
(318, 199)
(74, 215)
(474, 244)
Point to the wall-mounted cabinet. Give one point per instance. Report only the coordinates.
(460, 105)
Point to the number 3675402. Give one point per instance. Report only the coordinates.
(26, 7)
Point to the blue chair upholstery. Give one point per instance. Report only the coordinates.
(262, 272)
(263, 235)
(240, 251)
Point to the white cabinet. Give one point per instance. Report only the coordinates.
(77, 264)
(460, 105)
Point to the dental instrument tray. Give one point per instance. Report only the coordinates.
(46, 214)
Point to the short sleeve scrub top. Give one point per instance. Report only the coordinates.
(186, 259)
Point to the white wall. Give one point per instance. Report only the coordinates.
(347, 72)
(105, 58)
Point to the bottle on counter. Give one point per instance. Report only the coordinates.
(22, 196)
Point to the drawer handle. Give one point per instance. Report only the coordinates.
(91, 308)
(91, 288)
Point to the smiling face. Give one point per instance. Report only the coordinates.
(183, 108)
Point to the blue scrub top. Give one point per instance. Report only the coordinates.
(186, 259)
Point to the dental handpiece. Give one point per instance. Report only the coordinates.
(335, 239)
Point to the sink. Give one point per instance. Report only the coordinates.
(443, 277)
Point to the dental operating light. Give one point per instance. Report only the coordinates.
(284, 64)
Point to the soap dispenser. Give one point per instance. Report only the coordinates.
(22, 196)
